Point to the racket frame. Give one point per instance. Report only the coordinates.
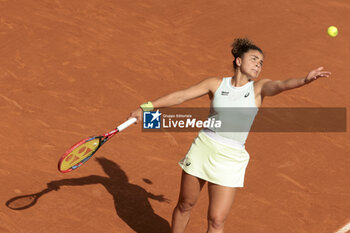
(102, 140)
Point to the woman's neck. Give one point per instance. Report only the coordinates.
(239, 80)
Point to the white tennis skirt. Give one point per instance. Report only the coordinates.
(215, 162)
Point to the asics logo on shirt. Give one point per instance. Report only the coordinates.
(246, 95)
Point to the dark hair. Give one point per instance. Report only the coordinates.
(240, 46)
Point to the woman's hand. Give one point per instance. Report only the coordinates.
(137, 114)
(315, 74)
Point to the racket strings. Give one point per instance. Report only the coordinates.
(79, 154)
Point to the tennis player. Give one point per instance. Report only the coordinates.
(217, 157)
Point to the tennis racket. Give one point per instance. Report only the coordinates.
(83, 150)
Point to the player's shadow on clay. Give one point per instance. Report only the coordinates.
(130, 200)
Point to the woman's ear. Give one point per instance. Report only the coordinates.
(238, 61)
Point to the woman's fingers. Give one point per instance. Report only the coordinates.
(317, 73)
(324, 74)
(136, 114)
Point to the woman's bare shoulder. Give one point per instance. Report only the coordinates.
(261, 81)
(214, 79)
(214, 83)
(259, 84)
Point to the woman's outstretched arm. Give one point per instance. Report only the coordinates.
(270, 88)
(178, 97)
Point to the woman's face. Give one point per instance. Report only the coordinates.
(251, 63)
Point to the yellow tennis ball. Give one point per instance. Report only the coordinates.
(332, 31)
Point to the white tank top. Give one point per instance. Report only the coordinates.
(236, 108)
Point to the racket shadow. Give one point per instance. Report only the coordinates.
(131, 201)
(25, 201)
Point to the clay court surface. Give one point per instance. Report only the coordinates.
(71, 69)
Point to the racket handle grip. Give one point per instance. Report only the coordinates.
(126, 124)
